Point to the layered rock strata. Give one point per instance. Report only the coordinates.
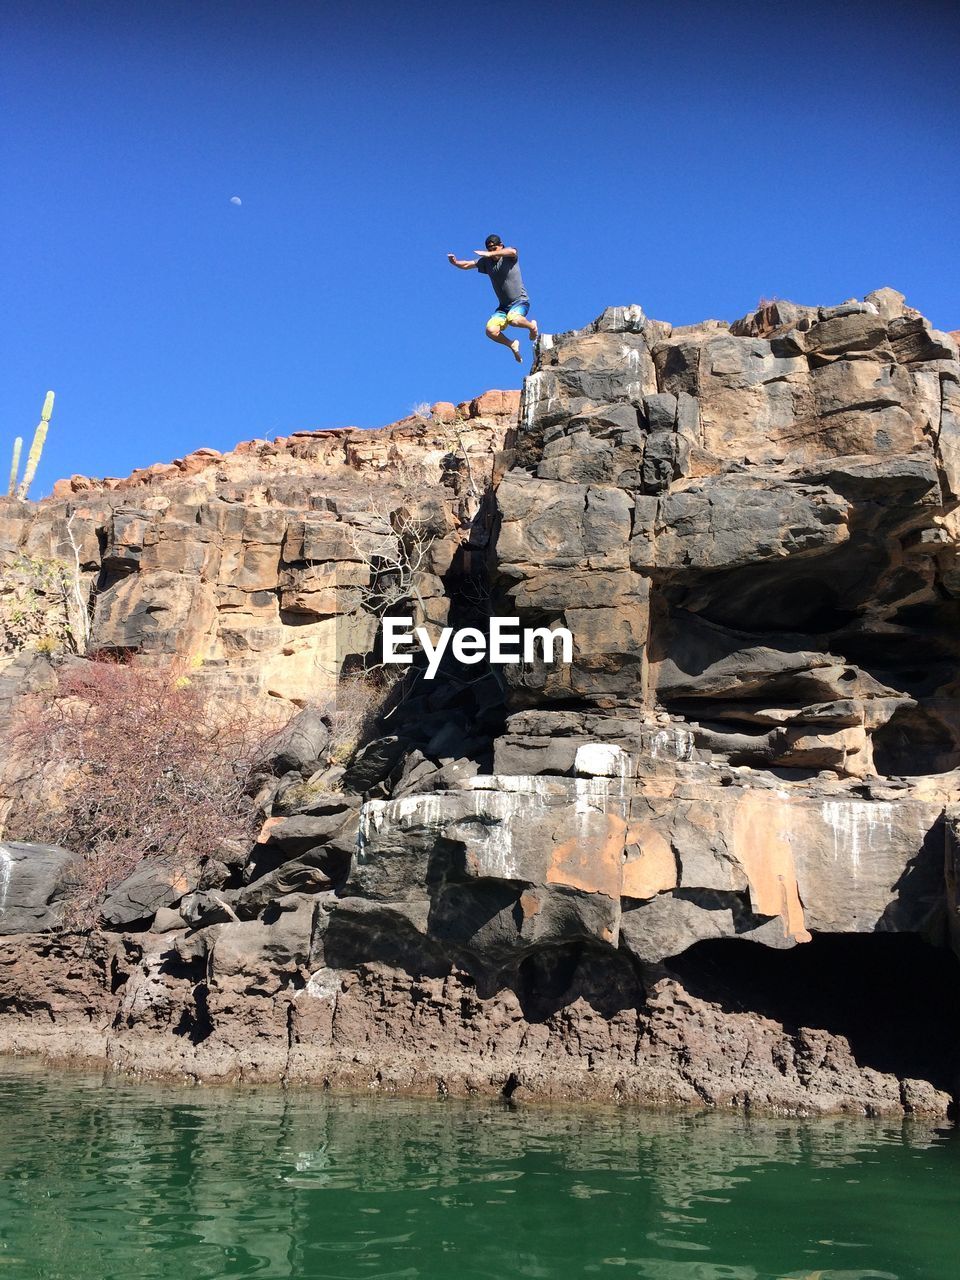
(253, 563)
(712, 860)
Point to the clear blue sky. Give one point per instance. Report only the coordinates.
(691, 157)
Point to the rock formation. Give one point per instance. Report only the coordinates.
(711, 861)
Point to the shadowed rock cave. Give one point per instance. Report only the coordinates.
(748, 688)
(894, 997)
(912, 743)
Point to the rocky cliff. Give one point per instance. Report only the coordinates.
(712, 860)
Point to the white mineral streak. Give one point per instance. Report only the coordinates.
(600, 795)
(544, 786)
(631, 357)
(546, 341)
(489, 809)
(371, 821)
(675, 743)
(411, 811)
(606, 791)
(322, 985)
(591, 795)
(490, 817)
(494, 850)
(532, 393)
(859, 827)
(6, 870)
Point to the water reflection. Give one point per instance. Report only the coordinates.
(105, 1178)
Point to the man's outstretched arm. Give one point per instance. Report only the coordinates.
(496, 253)
(464, 266)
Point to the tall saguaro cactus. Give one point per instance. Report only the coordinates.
(15, 465)
(36, 448)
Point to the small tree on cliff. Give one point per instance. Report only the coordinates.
(121, 762)
(399, 562)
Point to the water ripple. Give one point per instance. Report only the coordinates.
(103, 1178)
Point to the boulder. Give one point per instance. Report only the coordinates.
(372, 764)
(301, 745)
(34, 880)
(156, 882)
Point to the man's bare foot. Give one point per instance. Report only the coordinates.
(534, 331)
(515, 348)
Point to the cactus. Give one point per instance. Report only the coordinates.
(15, 466)
(36, 448)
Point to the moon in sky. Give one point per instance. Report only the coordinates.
(235, 200)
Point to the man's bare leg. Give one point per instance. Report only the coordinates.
(523, 323)
(496, 335)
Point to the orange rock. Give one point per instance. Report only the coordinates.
(197, 461)
(762, 847)
(588, 852)
(650, 866)
(269, 825)
(494, 404)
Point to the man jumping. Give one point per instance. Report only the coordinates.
(503, 267)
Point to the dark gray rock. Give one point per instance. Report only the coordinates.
(154, 884)
(34, 879)
(301, 745)
(662, 461)
(372, 764)
(515, 754)
(296, 835)
(671, 922)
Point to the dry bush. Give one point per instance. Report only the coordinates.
(399, 561)
(131, 761)
(354, 711)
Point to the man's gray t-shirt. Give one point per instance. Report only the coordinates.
(506, 279)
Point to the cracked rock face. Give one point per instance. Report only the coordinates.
(614, 878)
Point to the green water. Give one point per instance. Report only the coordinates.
(100, 1178)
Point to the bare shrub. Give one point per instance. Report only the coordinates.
(399, 562)
(130, 761)
(355, 709)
